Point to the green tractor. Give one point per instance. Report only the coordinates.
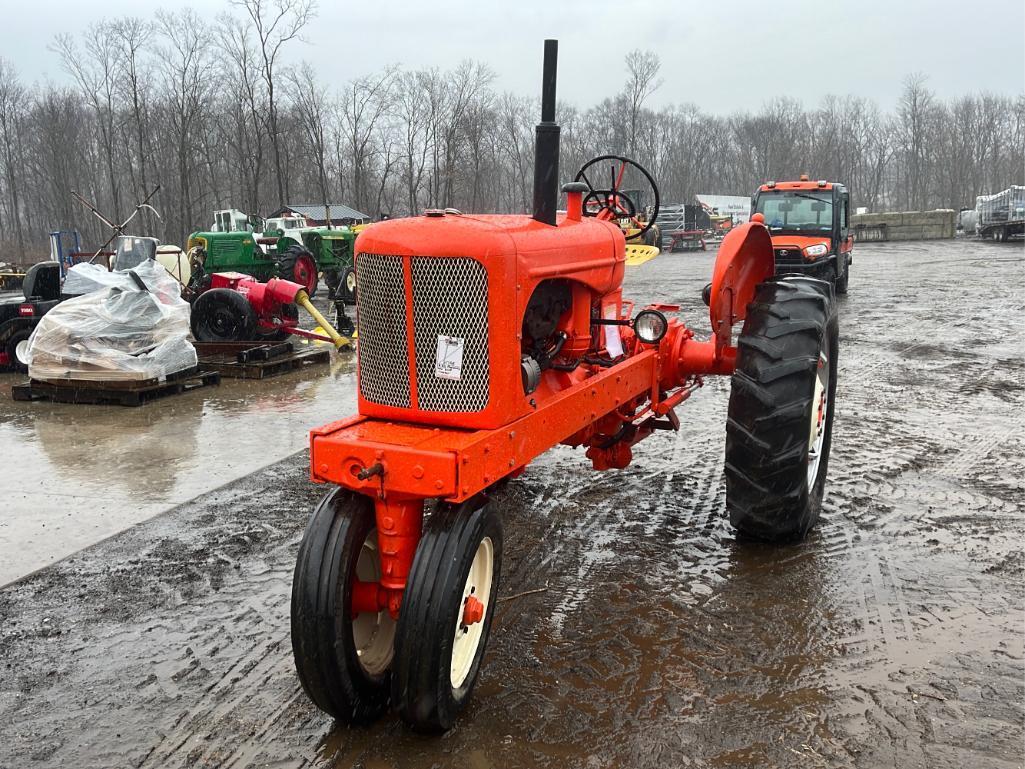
(285, 249)
(332, 248)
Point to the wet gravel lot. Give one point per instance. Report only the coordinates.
(893, 637)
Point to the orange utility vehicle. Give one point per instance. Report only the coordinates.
(486, 340)
(809, 224)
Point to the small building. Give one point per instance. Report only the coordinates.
(316, 213)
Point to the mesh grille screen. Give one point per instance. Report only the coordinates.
(381, 313)
(450, 298)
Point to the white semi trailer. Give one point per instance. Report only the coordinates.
(1001, 216)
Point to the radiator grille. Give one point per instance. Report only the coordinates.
(788, 255)
(450, 298)
(381, 314)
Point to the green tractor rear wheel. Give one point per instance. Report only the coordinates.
(299, 266)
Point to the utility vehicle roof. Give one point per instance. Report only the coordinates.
(799, 185)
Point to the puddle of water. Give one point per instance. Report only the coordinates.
(75, 474)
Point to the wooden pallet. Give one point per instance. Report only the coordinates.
(257, 360)
(118, 393)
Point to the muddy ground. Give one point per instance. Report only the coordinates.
(893, 637)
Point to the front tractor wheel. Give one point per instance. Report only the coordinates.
(780, 419)
(446, 616)
(349, 286)
(343, 658)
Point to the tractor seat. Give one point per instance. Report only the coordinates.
(42, 282)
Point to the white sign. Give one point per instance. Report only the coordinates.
(737, 206)
(448, 364)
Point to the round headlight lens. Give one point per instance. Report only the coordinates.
(650, 326)
(819, 249)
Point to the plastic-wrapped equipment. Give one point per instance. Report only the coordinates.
(130, 326)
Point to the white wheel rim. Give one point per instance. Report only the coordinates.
(467, 638)
(21, 351)
(819, 410)
(350, 281)
(373, 634)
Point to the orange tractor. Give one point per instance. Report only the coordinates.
(486, 340)
(809, 224)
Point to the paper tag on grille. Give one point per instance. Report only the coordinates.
(613, 341)
(449, 362)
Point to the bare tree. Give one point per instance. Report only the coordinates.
(12, 106)
(913, 112)
(415, 112)
(366, 101)
(95, 70)
(642, 69)
(275, 23)
(134, 36)
(186, 82)
(311, 104)
(246, 103)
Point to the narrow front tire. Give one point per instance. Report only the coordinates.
(446, 616)
(343, 659)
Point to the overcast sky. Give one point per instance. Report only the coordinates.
(722, 56)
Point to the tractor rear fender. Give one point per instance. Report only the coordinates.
(745, 259)
(285, 242)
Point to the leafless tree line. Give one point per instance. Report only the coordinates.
(209, 110)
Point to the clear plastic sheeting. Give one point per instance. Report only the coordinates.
(84, 278)
(131, 326)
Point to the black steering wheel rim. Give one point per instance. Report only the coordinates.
(611, 200)
(613, 195)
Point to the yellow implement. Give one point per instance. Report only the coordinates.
(340, 342)
(318, 330)
(637, 254)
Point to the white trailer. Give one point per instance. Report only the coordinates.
(1001, 216)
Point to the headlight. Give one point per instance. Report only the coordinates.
(819, 249)
(650, 326)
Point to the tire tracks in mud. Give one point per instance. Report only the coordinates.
(897, 475)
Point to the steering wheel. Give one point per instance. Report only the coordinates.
(609, 203)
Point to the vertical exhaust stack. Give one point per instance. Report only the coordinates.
(546, 143)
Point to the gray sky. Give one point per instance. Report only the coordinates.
(720, 56)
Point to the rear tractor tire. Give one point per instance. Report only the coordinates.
(222, 315)
(446, 614)
(343, 661)
(780, 418)
(299, 266)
